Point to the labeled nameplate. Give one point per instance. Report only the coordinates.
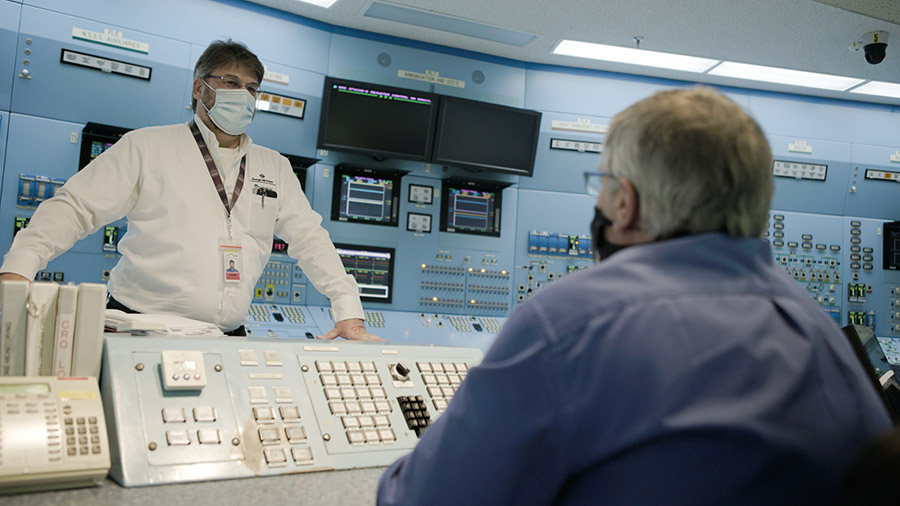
(104, 64)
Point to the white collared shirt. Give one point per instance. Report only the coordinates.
(170, 260)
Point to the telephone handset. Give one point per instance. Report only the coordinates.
(52, 433)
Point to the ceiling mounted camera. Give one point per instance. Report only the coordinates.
(874, 45)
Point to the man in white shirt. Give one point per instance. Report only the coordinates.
(197, 196)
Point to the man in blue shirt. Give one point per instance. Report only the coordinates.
(686, 368)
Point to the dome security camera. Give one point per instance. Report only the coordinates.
(874, 46)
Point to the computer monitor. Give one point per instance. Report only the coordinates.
(373, 269)
(486, 137)
(364, 195)
(376, 120)
(471, 207)
(97, 138)
(891, 253)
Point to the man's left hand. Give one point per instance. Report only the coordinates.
(352, 329)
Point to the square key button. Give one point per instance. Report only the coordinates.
(264, 414)
(275, 457)
(282, 394)
(290, 413)
(209, 436)
(205, 414)
(248, 357)
(257, 395)
(295, 434)
(178, 438)
(173, 415)
(272, 358)
(269, 435)
(302, 456)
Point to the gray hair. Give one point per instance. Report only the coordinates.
(698, 162)
(226, 52)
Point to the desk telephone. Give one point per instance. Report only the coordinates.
(52, 433)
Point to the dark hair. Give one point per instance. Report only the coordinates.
(226, 52)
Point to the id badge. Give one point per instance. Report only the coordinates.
(231, 265)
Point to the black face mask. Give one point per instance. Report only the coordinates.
(602, 248)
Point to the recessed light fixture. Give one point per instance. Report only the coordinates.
(634, 56)
(879, 88)
(320, 3)
(785, 76)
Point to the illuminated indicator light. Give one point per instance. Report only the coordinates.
(472, 301)
(483, 271)
(470, 269)
(423, 266)
(503, 272)
(434, 299)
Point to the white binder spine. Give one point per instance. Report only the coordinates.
(13, 321)
(89, 319)
(40, 329)
(66, 303)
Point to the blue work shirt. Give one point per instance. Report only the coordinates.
(692, 371)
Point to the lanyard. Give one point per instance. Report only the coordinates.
(214, 173)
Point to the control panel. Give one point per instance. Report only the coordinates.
(269, 406)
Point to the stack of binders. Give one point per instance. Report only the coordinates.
(48, 329)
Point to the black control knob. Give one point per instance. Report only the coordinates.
(400, 372)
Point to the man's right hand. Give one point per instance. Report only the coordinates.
(9, 276)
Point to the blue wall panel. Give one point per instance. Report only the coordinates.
(9, 28)
(826, 119)
(578, 93)
(562, 170)
(872, 198)
(74, 93)
(273, 35)
(803, 195)
(379, 62)
(56, 158)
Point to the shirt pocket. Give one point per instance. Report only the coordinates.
(264, 202)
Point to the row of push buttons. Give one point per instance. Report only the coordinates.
(276, 457)
(442, 380)
(201, 414)
(248, 358)
(271, 435)
(183, 438)
(258, 394)
(78, 445)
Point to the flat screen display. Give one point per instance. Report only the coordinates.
(378, 121)
(471, 207)
(373, 269)
(486, 137)
(364, 195)
(97, 138)
(891, 253)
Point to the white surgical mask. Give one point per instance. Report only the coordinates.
(233, 110)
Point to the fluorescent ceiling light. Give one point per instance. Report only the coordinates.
(785, 76)
(634, 56)
(320, 3)
(879, 88)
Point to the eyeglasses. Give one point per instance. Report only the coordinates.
(234, 84)
(593, 181)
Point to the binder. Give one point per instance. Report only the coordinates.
(40, 328)
(13, 296)
(86, 354)
(64, 335)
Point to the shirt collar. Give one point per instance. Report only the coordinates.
(209, 137)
